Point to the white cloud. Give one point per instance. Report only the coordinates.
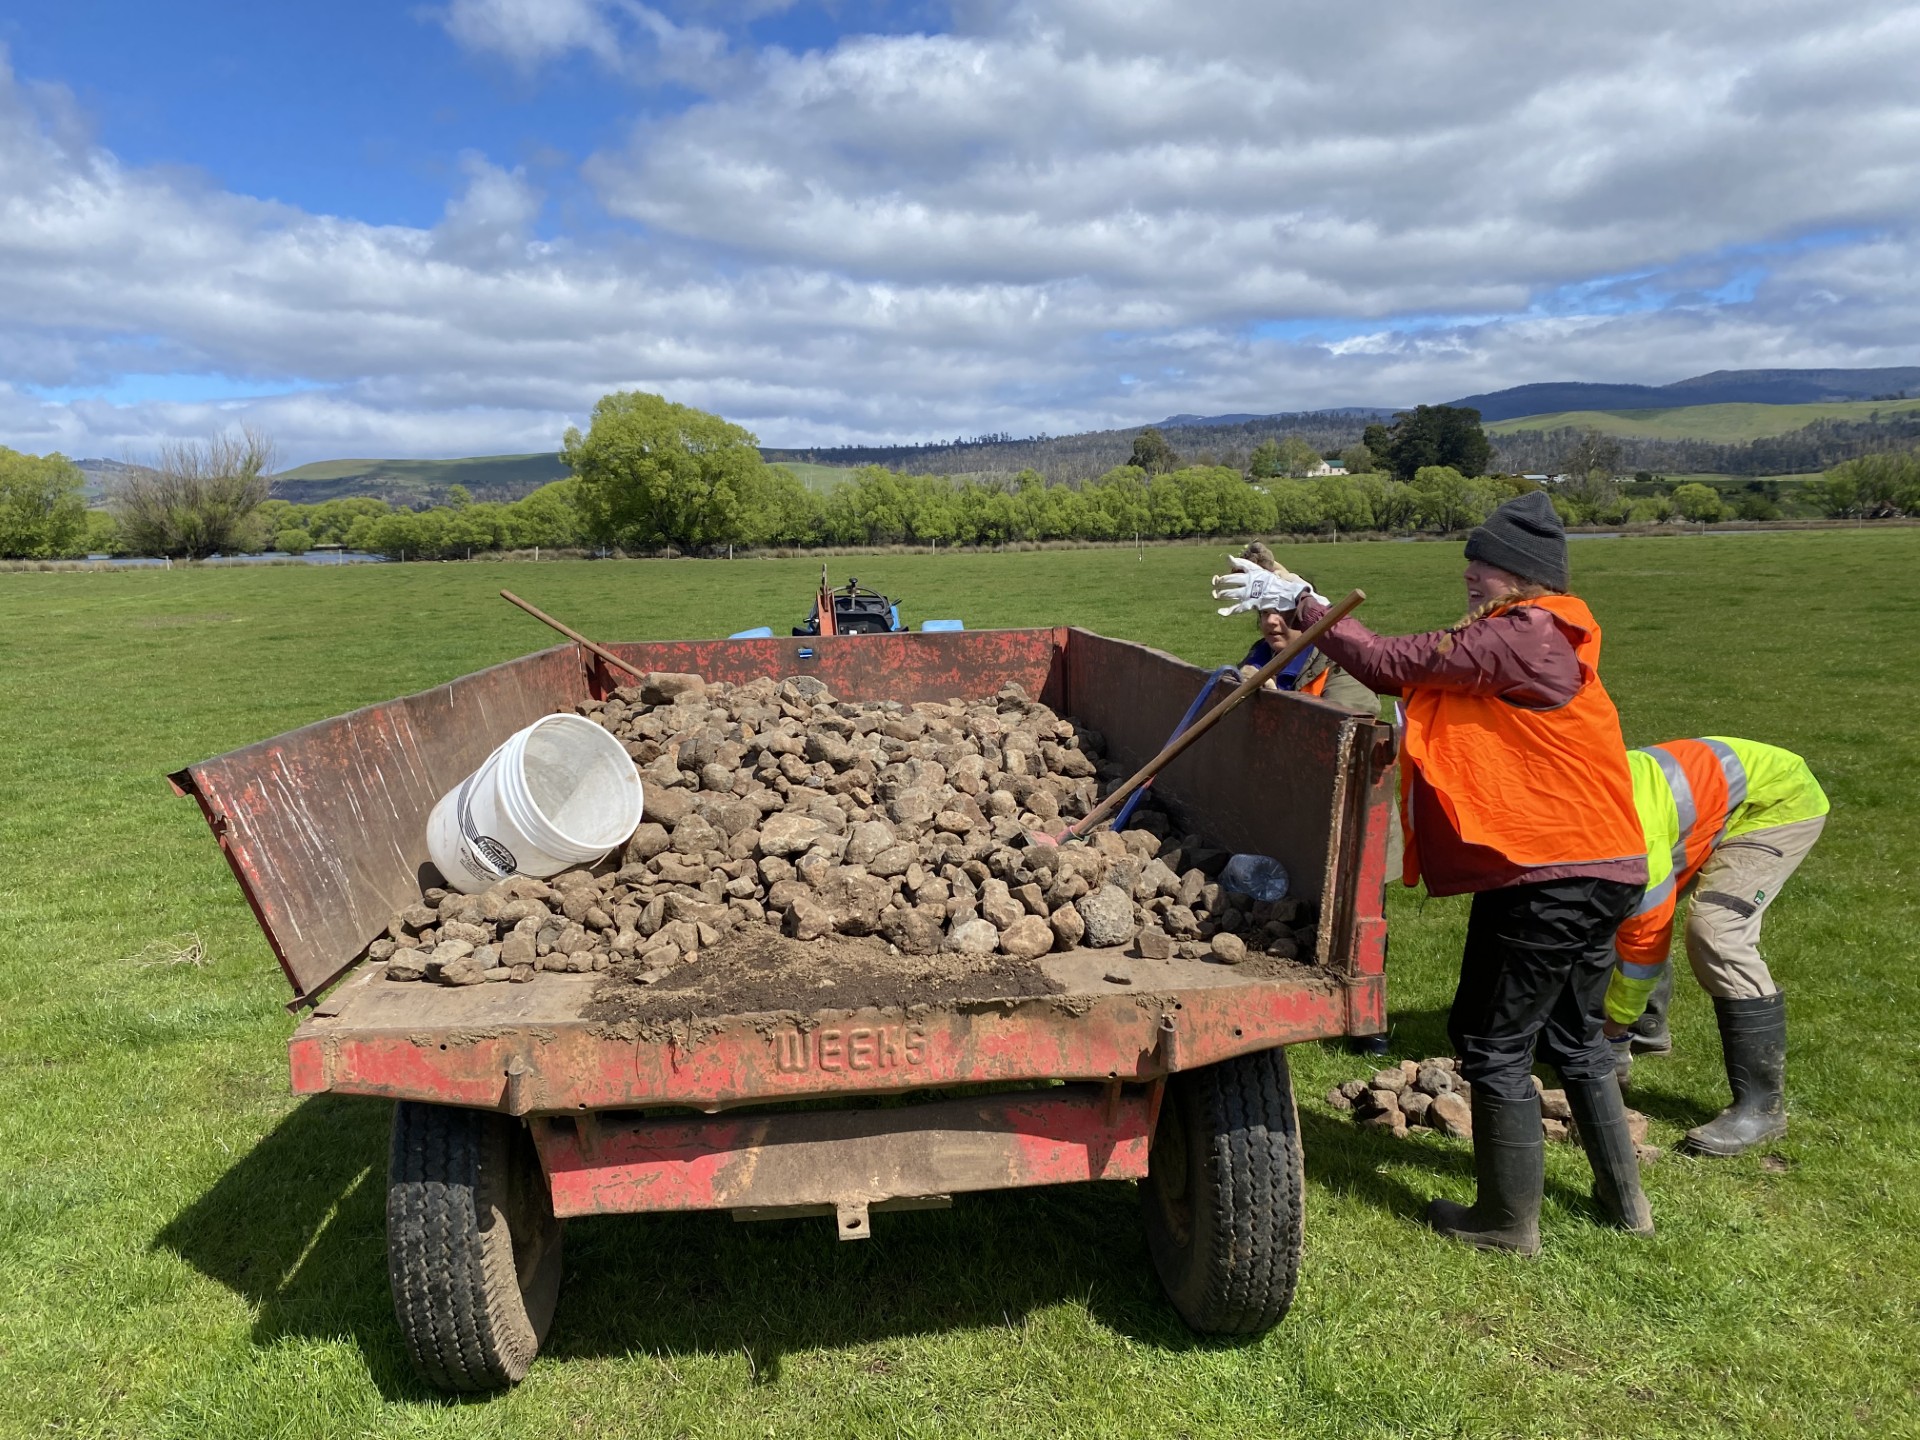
(923, 236)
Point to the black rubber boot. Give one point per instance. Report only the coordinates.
(1753, 1035)
(1601, 1118)
(1649, 1034)
(1509, 1161)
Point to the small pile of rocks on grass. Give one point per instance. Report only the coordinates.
(774, 804)
(1432, 1095)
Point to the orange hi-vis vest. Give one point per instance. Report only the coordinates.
(1539, 787)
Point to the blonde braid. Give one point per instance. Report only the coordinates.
(1519, 595)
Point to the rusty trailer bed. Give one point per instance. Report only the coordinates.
(539, 1101)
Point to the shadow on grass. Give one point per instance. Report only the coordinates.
(298, 1228)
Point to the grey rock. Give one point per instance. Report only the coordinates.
(1108, 913)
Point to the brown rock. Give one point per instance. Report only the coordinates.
(1554, 1106)
(1383, 1102)
(463, 971)
(1394, 1080)
(406, 965)
(1028, 938)
(788, 834)
(1556, 1129)
(664, 806)
(1337, 1098)
(1229, 949)
(1414, 1104)
(998, 905)
(646, 842)
(1067, 926)
(1153, 943)
(1451, 1115)
(665, 687)
(808, 921)
(914, 932)
(973, 937)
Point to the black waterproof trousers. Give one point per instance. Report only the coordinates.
(1535, 971)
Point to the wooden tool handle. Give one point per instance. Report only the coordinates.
(573, 635)
(1178, 745)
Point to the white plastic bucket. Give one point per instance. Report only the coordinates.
(561, 792)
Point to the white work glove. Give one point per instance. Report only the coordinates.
(1252, 588)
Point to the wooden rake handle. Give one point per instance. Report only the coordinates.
(573, 635)
(1178, 745)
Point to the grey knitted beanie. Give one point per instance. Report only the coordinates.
(1524, 537)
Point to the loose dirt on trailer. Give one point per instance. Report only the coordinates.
(765, 973)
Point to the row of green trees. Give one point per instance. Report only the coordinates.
(650, 476)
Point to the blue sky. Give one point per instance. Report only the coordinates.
(448, 228)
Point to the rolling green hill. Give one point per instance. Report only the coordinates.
(1719, 424)
(411, 482)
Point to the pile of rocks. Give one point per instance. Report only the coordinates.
(775, 804)
(1433, 1095)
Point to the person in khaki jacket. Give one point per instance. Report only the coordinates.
(1310, 673)
(1732, 820)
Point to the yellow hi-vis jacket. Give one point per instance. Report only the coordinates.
(1692, 796)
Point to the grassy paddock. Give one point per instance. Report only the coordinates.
(1729, 424)
(184, 1250)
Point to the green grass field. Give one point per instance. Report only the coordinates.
(187, 1251)
(817, 478)
(1723, 424)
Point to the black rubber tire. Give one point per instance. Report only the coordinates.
(473, 1249)
(1224, 1197)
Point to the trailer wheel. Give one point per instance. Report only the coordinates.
(473, 1249)
(1224, 1194)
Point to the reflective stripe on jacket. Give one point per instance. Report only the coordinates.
(1692, 795)
(1540, 787)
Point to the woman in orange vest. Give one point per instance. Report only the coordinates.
(1514, 788)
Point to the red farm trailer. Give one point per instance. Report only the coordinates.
(516, 1108)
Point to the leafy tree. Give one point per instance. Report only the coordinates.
(1296, 507)
(1650, 510)
(653, 473)
(1298, 459)
(1379, 442)
(1152, 453)
(1697, 502)
(1265, 461)
(458, 497)
(1358, 459)
(1436, 435)
(197, 499)
(42, 513)
(548, 519)
(292, 541)
(1343, 503)
(1878, 485)
(1444, 499)
(102, 535)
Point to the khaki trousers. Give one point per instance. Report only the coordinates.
(1731, 896)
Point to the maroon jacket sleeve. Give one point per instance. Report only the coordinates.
(1522, 656)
